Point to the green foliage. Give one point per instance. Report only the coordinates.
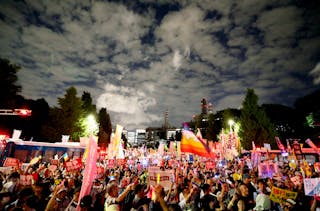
(87, 106)
(255, 125)
(105, 127)
(67, 119)
(8, 87)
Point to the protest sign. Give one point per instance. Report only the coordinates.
(26, 179)
(297, 150)
(296, 180)
(312, 186)
(73, 165)
(163, 178)
(14, 162)
(6, 170)
(111, 163)
(210, 165)
(317, 167)
(267, 169)
(280, 195)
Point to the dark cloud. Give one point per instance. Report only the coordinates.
(141, 58)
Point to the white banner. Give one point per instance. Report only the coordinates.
(164, 178)
(312, 186)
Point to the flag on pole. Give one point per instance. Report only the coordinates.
(90, 170)
(280, 145)
(65, 156)
(117, 139)
(190, 143)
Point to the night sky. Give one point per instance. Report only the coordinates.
(141, 58)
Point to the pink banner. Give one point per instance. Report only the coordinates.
(312, 145)
(90, 170)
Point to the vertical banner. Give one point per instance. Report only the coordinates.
(161, 148)
(172, 147)
(90, 169)
(117, 139)
(280, 145)
(179, 149)
(297, 150)
(312, 145)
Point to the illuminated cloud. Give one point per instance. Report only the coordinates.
(141, 58)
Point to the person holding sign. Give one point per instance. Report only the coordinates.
(113, 198)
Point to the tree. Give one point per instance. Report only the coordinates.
(255, 125)
(67, 119)
(8, 88)
(87, 105)
(105, 128)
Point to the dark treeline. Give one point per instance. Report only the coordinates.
(258, 122)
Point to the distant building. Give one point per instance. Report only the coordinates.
(136, 137)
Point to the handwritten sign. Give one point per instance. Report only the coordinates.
(312, 186)
(279, 195)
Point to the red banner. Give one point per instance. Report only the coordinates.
(121, 161)
(73, 165)
(111, 163)
(210, 165)
(11, 162)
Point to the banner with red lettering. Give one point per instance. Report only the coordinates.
(164, 178)
(73, 165)
(90, 169)
(11, 162)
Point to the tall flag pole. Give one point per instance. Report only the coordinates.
(90, 170)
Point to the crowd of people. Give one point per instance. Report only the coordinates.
(231, 186)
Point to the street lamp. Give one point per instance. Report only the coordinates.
(231, 123)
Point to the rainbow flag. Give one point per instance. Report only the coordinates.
(65, 157)
(192, 144)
